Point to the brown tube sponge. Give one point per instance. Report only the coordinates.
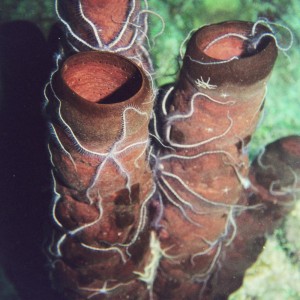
(275, 177)
(118, 26)
(99, 106)
(210, 115)
(177, 227)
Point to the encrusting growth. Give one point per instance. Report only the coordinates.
(160, 213)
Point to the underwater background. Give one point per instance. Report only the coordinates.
(276, 274)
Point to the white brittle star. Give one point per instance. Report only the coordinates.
(205, 84)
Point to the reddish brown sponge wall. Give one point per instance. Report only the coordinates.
(118, 26)
(210, 117)
(102, 179)
(172, 212)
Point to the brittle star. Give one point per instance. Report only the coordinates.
(205, 84)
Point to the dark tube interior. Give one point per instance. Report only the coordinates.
(102, 77)
(233, 40)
